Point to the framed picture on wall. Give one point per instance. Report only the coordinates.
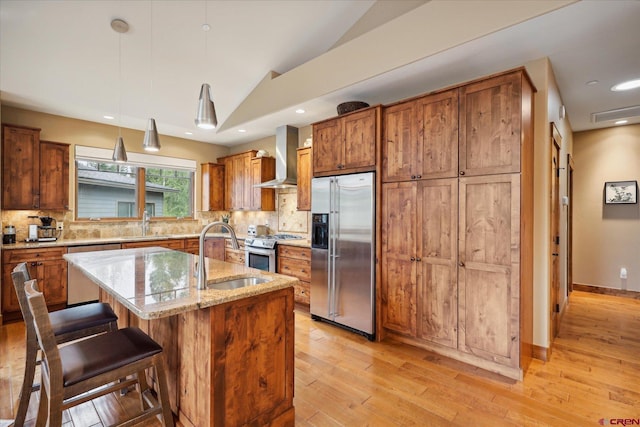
(620, 192)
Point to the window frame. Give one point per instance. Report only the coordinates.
(141, 162)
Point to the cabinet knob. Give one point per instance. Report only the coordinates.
(418, 259)
(461, 172)
(418, 176)
(412, 259)
(461, 263)
(413, 177)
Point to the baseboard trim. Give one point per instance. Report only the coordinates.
(541, 353)
(606, 291)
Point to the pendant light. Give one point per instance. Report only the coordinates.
(206, 114)
(151, 140)
(119, 153)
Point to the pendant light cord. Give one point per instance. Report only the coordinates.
(119, 85)
(151, 49)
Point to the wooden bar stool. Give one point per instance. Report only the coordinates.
(76, 373)
(67, 325)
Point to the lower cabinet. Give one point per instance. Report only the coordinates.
(296, 261)
(451, 273)
(47, 266)
(234, 256)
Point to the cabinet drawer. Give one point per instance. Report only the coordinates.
(295, 267)
(294, 252)
(192, 243)
(234, 256)
(228, 244)
(301, 292)
(24, 255)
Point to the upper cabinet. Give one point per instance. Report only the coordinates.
(491, 113)
(212, 186)
(420, 139)
(35, 174)
(346, 144)
(304, 178)
(242, 171)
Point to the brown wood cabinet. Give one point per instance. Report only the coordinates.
(420, 138)
(419, 232)
(296, 261)
(262, 169)
(214, 247)
(212, 186)
(491, 125)
(457, 266)
(35, 174)
(242, 171)
(304, 178)
(234, 256)
(347, 143)
(46, 265)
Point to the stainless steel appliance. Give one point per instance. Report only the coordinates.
(256, 230)
(343, 251)
(260, 252)
(80, 289)
(9, 234)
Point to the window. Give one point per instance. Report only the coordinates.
(113, 190)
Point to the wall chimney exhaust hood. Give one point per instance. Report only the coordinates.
(286, 159)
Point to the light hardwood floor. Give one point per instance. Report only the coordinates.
(343, 380)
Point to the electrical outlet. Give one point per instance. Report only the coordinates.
(61, 226)
(623, 273)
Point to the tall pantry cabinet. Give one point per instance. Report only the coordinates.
(457, 222)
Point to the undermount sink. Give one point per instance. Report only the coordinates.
(228, 285)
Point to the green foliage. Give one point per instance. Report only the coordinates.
(176, 203)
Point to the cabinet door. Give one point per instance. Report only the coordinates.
(328, 146)
(10, 301)
(490, 126)
(359, 132)
(437, 118)
(212, 187)
(214, 248)
(54, 175)
(489, 259)
(243, 188)
(399, 271)
(304, 179)
(228, 183)
(437, 267)
(399, 143)
(52, 279)
(261, 170)
(20, 168)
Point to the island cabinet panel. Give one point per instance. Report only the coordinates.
(237, 363)
(491, 125)
(489, 259)
(346, 144)
(420, 138)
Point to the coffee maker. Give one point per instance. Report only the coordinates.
(9, 234)
(47, 232)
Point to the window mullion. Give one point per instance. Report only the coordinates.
(141, 193)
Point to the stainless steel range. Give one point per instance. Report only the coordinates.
(260, 251)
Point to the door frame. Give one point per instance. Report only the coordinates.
(554, 233)
(570, 170)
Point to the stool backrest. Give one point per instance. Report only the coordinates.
(44, 332)
(20, 275)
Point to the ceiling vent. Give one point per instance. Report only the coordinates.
(617, 114)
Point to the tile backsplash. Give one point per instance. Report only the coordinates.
(285, 219)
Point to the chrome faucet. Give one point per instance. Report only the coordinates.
(145, 222)
(202, 273)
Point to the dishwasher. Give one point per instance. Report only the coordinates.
(81, 289)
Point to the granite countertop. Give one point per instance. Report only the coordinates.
(106, 240)
(157, 282)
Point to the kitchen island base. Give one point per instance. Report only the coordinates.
(229, 364)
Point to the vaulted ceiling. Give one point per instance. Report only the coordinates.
(265, 59)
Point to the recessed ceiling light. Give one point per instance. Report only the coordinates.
(300, 111)
(206, 27)
(242, 130)
(108, 117)
(592, 82)
(621, 122)
(188, 133)
(628, 85)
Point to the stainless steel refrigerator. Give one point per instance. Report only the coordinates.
(343, 251)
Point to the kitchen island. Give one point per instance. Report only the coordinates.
(229, 353)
